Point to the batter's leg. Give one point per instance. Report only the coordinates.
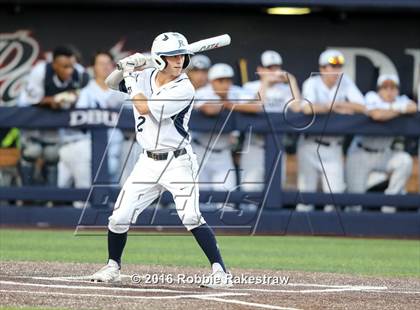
(139, 191)
(132, 200)
(180, 180)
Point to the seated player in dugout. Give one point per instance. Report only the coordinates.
(198, 71)
(369, 154)
(329, 90)
(276, 91)
(217, 170)
(54, 85)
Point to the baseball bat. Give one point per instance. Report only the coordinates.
(210, 43)
(197, 47)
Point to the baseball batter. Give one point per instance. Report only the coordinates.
(163, 98)
(330, 90)
(368, 153)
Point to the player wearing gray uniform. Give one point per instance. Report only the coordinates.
(96, 95)
(274, 91)
(369, 153)
(162, 99)
(319, 92)
(217, 171)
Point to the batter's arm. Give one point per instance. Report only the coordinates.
(114, 79)
(140, 103)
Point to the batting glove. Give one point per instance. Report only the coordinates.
(131, 62)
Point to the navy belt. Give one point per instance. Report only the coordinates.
(164, 156)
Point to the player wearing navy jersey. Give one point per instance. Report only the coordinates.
(53, 85)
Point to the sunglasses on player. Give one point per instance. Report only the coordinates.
(336, 61)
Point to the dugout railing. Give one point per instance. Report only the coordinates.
(273, 126)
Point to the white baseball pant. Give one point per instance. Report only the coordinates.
(148, 180)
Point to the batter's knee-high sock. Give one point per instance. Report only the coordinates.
(207, 241)
(116, 244)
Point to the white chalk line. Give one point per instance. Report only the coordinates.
(334, 286)
(208, 297)
(246, 303)
(306, 291)
(398, 292)
(94, 287)
(328, 288)
(74, 279)
(200, 296)
(84, 279)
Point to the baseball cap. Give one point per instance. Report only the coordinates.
(219, 71)
(331, 57)
(388, 77)
(271, 58)
(200, 62)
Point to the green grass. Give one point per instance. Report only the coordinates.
(324, 254)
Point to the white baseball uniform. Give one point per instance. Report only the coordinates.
(217, 171)
(331, 172)
(77, 169)
(368, 153)
(252, 174)
(163, 130)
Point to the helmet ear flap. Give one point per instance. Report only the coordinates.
(187, 60)
(159, 62)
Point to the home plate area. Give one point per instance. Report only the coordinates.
(65, 285)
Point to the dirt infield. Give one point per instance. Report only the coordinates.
(62, 285)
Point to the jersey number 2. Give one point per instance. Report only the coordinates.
(141, 120)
